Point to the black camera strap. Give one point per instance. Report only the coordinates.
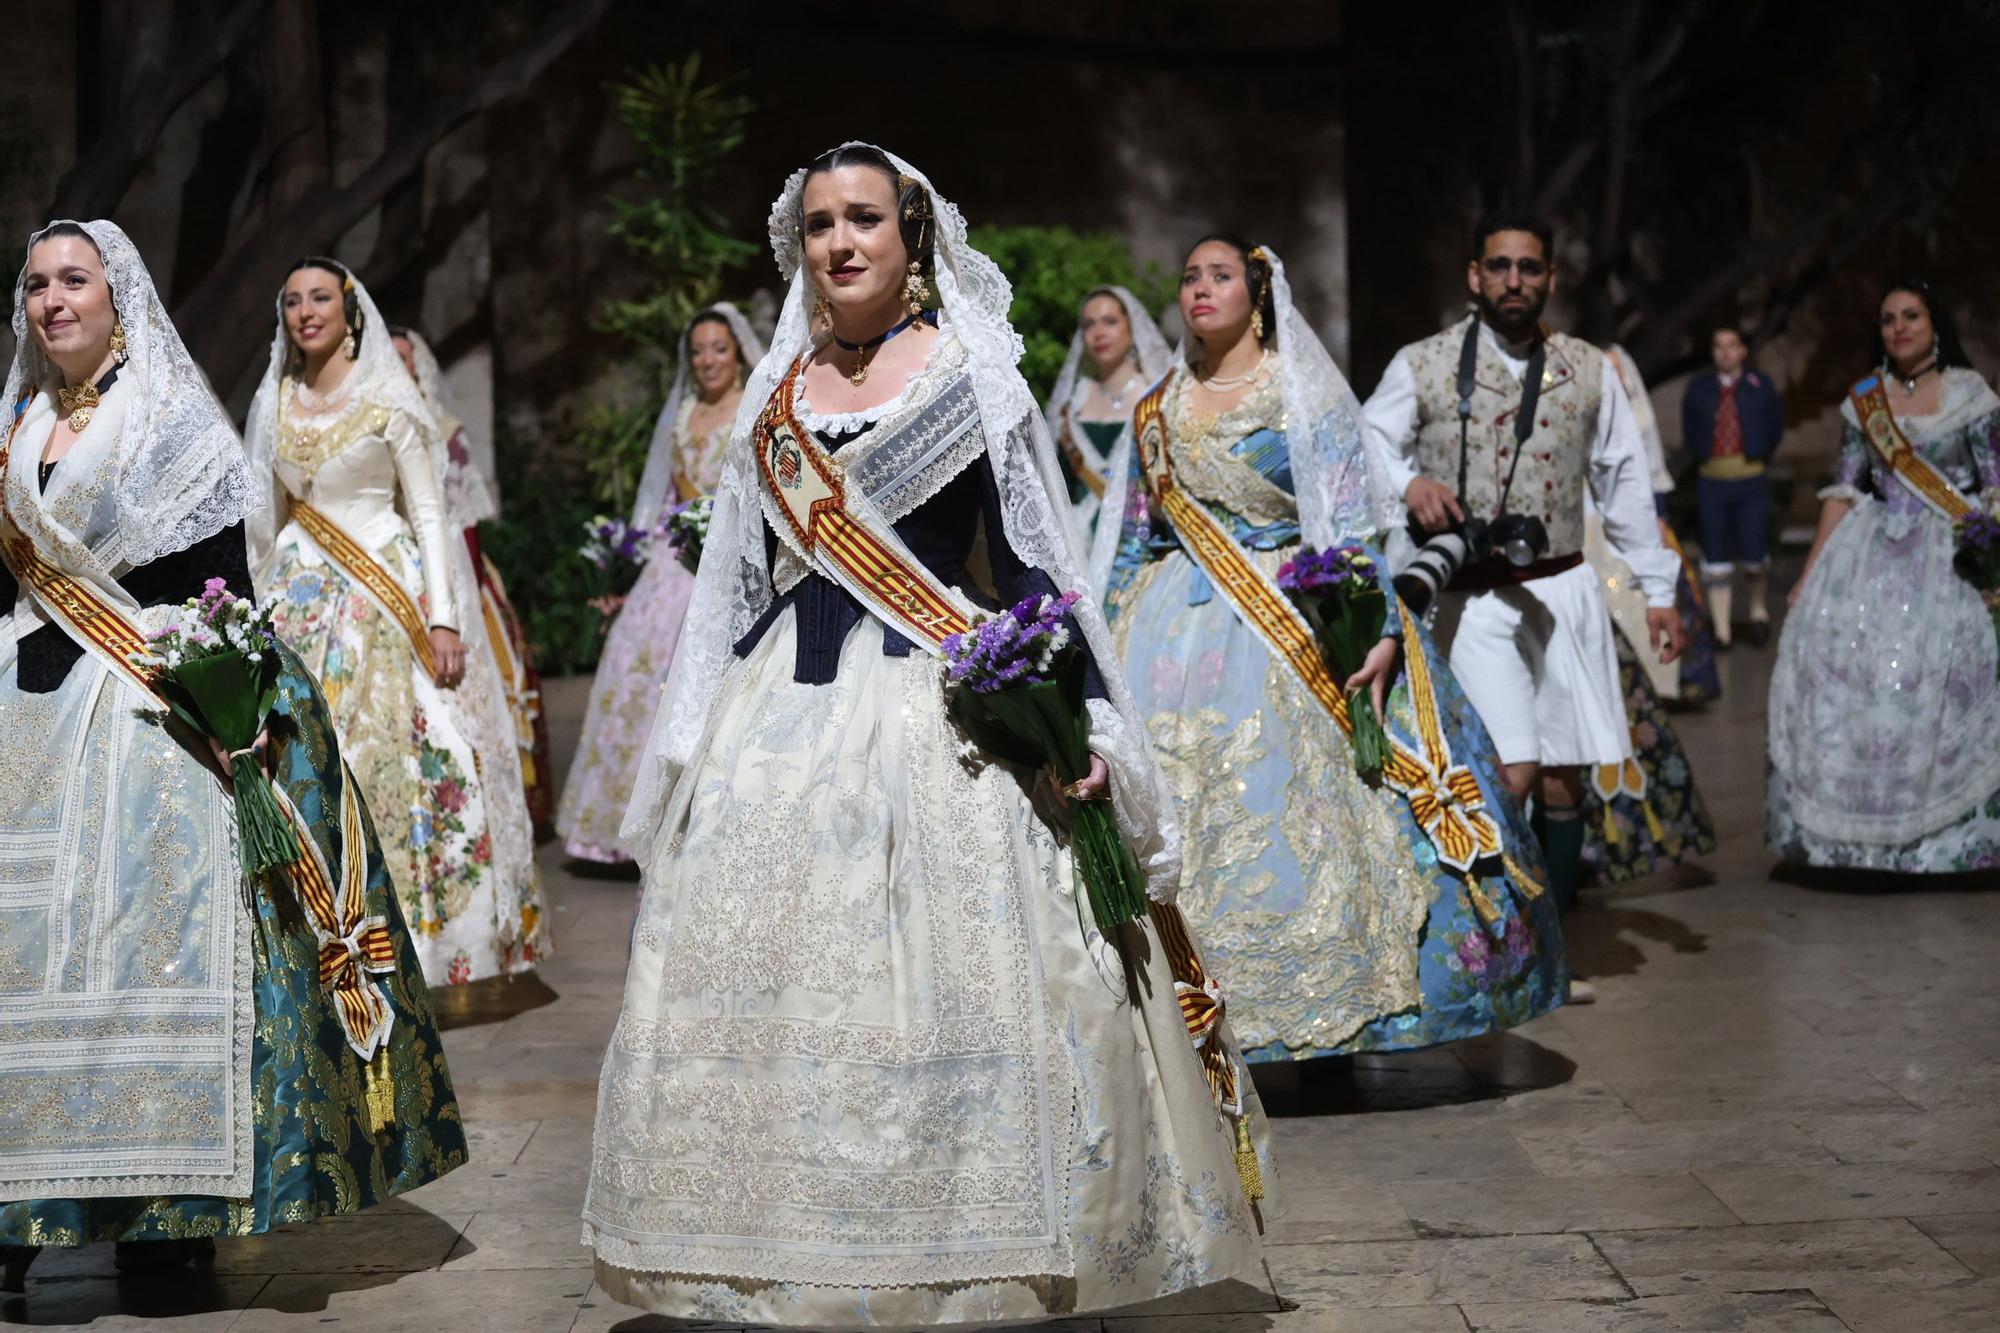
(1524, 419)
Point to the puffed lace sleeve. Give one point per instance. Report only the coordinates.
(1850, 476)
(423, 504)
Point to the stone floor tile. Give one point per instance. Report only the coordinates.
(496, 1142)
(1745, 1312)
(1424, 1272)
(184, 1303)
(560, 1140)
(1385, 1148)
(527, 1098)
(1771, 1258)
(1971, 1238)
(1886, 1136)
(506, 1238)
(1864, 1189)
(1379, 1319)
(1699, 1095)
(1949, 1307)
(1319, 1208)
(534, 1301)
(1634, 1146)
(370, 1242)
(1562, 1203)
(546, 1188)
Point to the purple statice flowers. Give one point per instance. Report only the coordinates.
(1017, 647)
(1326, 571)
(613, 541)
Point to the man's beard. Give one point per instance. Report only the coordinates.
(1516, 323)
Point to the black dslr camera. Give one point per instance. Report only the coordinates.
(1519, 539)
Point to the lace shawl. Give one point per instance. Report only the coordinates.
(663, 454)
(733, 587)
(1148, 345)
(180, 474)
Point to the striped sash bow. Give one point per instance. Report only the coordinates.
(1443, 795)
(350, 945)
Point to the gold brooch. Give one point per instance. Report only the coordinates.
(78, 402)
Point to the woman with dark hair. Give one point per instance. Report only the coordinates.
(1346, 914)
(875, 1066)
(182, 1055)
(1886, 695)
(717, 350)
(376, 593)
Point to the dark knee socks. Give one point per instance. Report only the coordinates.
(1560, 829)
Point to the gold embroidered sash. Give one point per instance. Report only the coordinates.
(1444, 796)
(1878, 424)
(809, 502)
(362, 568)
(361, 945)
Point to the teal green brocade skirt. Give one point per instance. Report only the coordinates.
(319, 1148)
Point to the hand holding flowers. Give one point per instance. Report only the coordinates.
(1017, 691)
(1339, 594)
(1977, 557)
(686, 530)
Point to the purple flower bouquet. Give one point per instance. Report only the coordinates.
(1338, 593)
(1017, 691)
(686, 529)
(1977, 558)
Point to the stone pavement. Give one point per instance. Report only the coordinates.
(1779, 1118)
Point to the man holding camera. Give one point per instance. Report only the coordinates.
(1493, 431)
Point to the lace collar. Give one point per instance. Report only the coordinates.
(1263, 406)
(922, 381)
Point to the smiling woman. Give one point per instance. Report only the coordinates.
(174, 1065)
(375, 591)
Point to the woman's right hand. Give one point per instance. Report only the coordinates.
(1792, 597)
(608, 606)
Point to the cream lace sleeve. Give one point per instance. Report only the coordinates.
(423, 503)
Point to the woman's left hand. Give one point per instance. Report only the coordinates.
(1378, 672)
(1094, 785)
(448, 650)
(261, 747)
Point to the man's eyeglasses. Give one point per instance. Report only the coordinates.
(1529, 269)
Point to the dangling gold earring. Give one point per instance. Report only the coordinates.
(348, 346)
(118, 341)
(821, 312)
(913, 289)
(1257, 323)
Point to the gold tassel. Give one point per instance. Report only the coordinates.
(1612, 836)
(381, 1091)
(1482, 901)
(1246, 1162)
(1653, 824)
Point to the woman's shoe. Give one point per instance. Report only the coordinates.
(14, 1261)
(161, 1256)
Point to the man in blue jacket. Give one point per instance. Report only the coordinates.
(1731, 421)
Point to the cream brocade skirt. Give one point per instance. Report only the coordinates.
(459, 849)
(869, 1072)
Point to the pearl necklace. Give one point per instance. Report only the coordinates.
(1214, 383)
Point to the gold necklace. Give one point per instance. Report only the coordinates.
(81, 400)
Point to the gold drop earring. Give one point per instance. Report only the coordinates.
(1257, 322)
(821, 312)
(348, 346)
(118, 341)
(913, 289)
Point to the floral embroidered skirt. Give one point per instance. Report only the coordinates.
(1321, 905)
(331, 1134)
(623, 699)
(459, 849)
(872, 1070)
(1649, 813)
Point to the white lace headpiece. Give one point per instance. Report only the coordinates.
(1342, 490)
(658, 478)
(180, 476)
(734, 585)
(379, 377)
(1149, 349)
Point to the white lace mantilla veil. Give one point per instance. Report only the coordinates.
(181, 476)
(658, 478)
(1154, 356)
(1322, 431)
(468, 495)
(734, 587)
